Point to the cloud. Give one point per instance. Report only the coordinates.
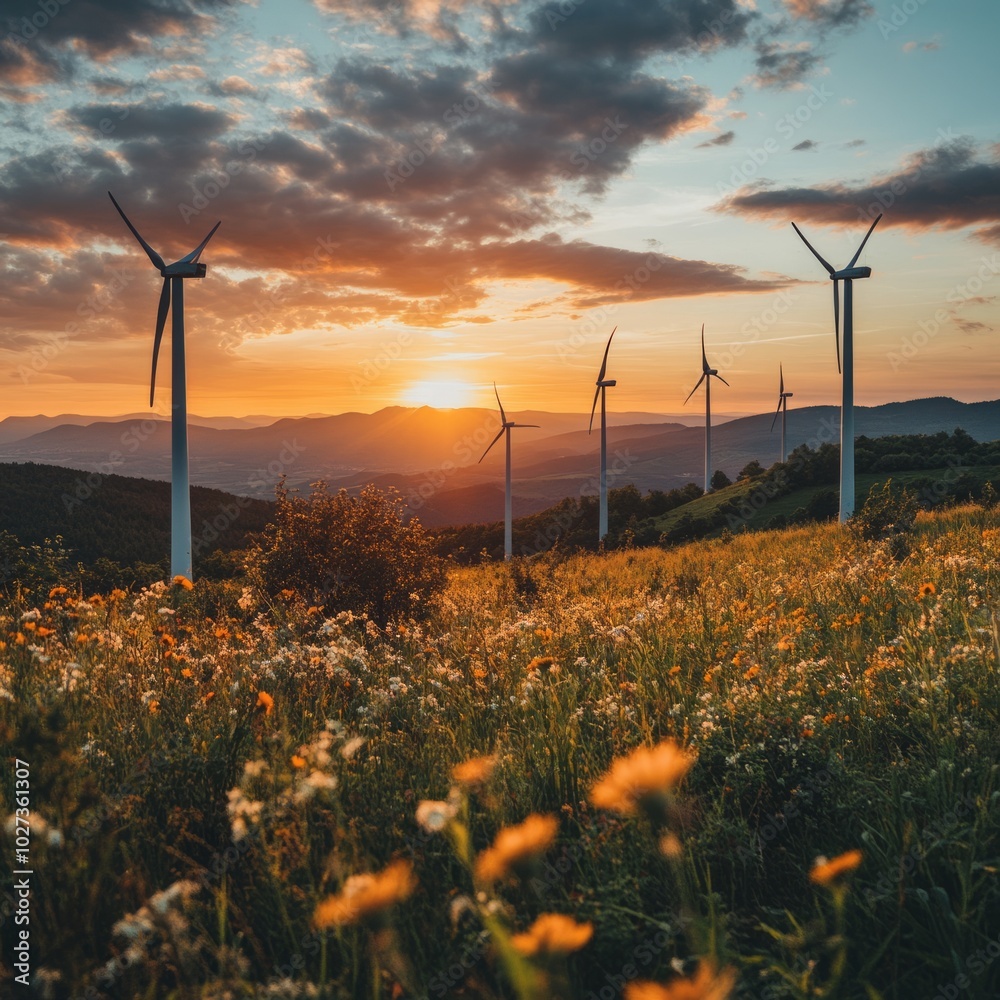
(783, 65)
(830, 13)
(952, 185)
(805, 145)
(720, 140)
(972, 328)
(932, 46)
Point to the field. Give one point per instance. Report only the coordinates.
(209, 770)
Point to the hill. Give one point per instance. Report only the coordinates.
(119, 518)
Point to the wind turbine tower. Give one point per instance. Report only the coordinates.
(172, 294)
(783, 398)
(508, 521)
(707, 374)
(848, 276)
(602, 385)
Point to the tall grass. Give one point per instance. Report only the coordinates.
(255, 755)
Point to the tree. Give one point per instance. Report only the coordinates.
(720, 480)
(346, 553)
(751, 470)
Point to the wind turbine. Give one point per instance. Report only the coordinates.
(707, 375)
(508, 523)
(847, 276)
(602, 385)
(172, 293)
(783, 398)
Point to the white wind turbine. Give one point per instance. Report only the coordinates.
(508, 522)
(602, 385)
(847, 275)
(783, 398)
(172, 293)
(707, 374)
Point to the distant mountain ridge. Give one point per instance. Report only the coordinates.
(428, 454)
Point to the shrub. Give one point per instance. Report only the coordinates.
(888, 512)
(720, 480)
(346, 553)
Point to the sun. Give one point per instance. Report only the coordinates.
(440, 393)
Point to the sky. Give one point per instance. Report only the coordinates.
(420, 198)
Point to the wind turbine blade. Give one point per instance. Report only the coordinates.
(503, 416)
(192, 257)
(722, 380)
(604, 363)
(161, 319)
(493, 442)
(836, 318)
(525, 425)
(695, 389)
(854, 259)
(829, 268)
(781, 380)
(593, 409)
(776, 412)
(704, 356)
(150, 252)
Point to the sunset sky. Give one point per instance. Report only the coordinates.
(423, 196)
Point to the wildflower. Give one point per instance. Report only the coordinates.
(367, 895)
(57, 591)
(435, 816)
(827, 872)
(297, 761)
(474, 772)
(641, 778)
(351, 747)
(154, 706)
(182, 581)
(265, 701)
(516, 845)
(926, 590)
(671, 846)
(553, 933)
(541, 663)
(706, 984)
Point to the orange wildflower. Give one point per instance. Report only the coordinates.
(367, 895)
(646, 772)
(553, 934)
(154, 707)
(182, 581)
(515, 845)
(826, 872)
(475, 772)
(706, 984)
(297, 761)
(265, 701)
(926, 590)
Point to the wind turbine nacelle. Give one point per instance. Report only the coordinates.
(787, 395)
(711, 371)
(608, 382)
(184, 270)
(853, 272)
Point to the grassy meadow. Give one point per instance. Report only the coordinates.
(211, 772)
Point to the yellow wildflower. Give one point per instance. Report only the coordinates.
(367, 895)
(551, 934)
(706, 984)
(515, 845)
(825, 872)
(646, 772)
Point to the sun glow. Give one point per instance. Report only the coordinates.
(446, 393)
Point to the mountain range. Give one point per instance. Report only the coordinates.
(432, 456)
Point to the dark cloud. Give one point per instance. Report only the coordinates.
(104, 27)
(805, 145)
(169, 123)
(854, 144)
(724, 139)
(783, 65)
(973, 328)
(831, 13)
(632, 29)
(952, 185)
